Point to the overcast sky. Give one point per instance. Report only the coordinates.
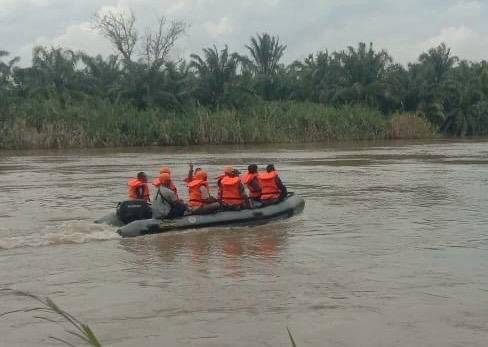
(404, 28)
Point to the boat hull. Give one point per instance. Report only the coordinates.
(291, 206)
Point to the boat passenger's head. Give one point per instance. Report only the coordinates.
(228, 170)
(270, 168)
(165, 169)
(141, 176)
(253, 168)
(165, 179)
(201, 175)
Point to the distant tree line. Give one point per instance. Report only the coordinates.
(450, 93)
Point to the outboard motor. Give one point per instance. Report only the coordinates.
(131, 210)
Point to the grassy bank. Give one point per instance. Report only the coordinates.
(99, 123)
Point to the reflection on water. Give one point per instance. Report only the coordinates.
(232, 247)
(391, 249)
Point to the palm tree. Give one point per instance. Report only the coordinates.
(6, 75)
(101, 77)
(437, 62)
(363, 73)
(266, 53)
(215, 72)
(465, 100)
(322, 75)
(172, 86)
(53, 72)
(431, 80)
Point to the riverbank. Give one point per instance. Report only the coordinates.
(91, 123)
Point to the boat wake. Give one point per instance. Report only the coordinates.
(65, 233)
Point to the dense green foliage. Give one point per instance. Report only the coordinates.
(68, 98)
(95, 122)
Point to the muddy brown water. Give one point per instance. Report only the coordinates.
(391, 250)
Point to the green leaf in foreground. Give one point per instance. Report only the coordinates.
(82, 331)
(291, 337)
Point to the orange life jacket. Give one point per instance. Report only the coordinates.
(134, 185)
(219, 185)
(269, 188)
(195, 195)
(172, 187)
(231, 191)
(247, 179)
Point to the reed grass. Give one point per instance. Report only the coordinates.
(290, 336)
(411, 126)
(93, 122)
(48, 311)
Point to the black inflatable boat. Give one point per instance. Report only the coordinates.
(292, 205)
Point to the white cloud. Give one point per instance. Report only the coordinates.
(221, 27)
(7, 7)
(463, 41)
(466, 8)
(404, 28)
(80, 37)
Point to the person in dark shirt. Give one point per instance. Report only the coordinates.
(272, 188)
(252, 183)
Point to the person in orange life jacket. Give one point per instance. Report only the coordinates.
(200, 199)
(166, 204)
(232, 192)
(252, 183)
(157, 183)
(190, 176)
(228, 171)
(272, 188)
(138, 189)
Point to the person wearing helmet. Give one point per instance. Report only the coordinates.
(138, 189)
(200, 199)
(166, 203)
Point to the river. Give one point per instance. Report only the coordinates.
(391, 250)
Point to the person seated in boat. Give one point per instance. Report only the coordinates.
(138, 189)
(200, 200)
(272, 188)
(156, 183)
(231, 191)
(251, 181)
(166, 203)
(228, 171)
(191, 173)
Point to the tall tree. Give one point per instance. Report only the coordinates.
(53, 72)
(216, 70)
(152, 48)
(144, 56)
(431, 76)
(363, 75)
(266, 53)
(437, 63)
(101, 76)
(6, 76)
(319, 75)
(466, 102)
